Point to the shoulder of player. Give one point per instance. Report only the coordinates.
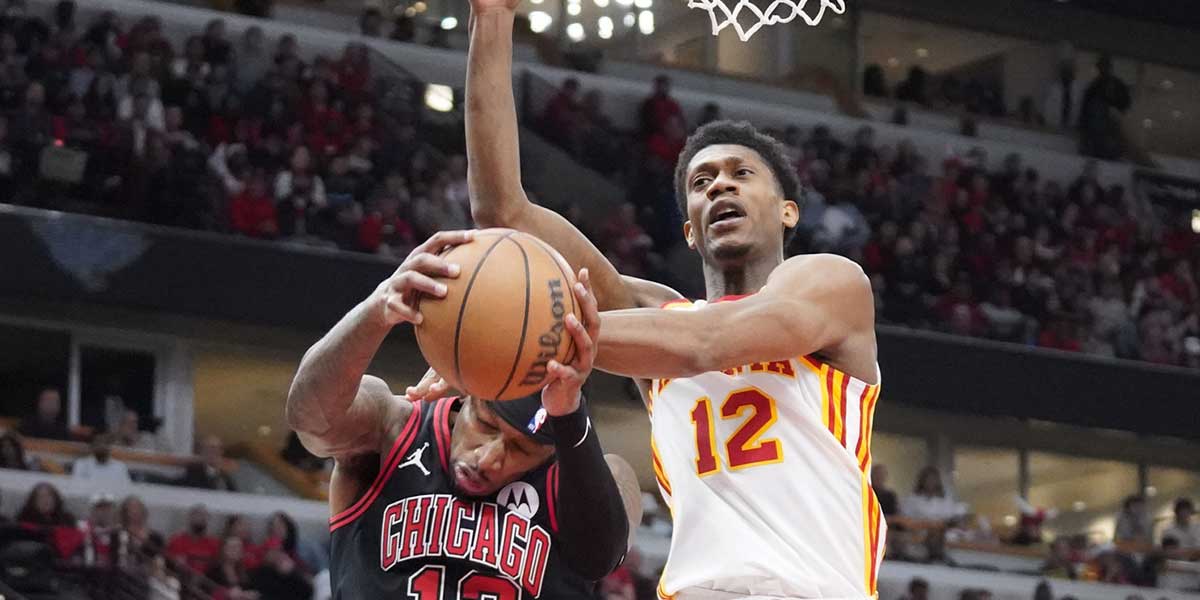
(396, 414)
(823, 273)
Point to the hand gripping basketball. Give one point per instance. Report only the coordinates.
(397, 296)
(562, 392)
(561, 395)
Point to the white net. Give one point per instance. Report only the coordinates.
(780, 11)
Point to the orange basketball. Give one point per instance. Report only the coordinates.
(501, 321)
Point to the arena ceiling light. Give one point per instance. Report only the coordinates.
(604, 27)
(643, 4)
(439, 97)
(625, 2)
(575, 32)
(601, 3)
(539, 21)
(574, 10)
(646, 22)
(630, 19)
(449, 23)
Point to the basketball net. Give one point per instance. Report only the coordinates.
(780, 11)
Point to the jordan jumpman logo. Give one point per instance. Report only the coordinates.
(415, 459)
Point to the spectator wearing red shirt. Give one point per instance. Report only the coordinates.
(44, 512)
(318, 109)
(282, 534)
(384, 231)
(354, 71)
(239, 527)
(99, 531)
(665, 145)
(1179, 282)
(1060, 335)
(960, 311)
(561, 119)
(252, 211)
(658, 109)
(194, 547)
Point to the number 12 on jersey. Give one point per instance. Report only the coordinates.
(743, 449)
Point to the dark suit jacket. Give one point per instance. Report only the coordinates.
(200, 476)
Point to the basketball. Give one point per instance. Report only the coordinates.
(501, 321)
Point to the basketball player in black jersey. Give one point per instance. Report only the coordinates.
(457, 499)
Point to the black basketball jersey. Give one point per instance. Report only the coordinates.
(411, 538)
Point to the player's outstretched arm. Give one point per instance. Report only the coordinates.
(335, 408)
(809, 304)
(494, 166)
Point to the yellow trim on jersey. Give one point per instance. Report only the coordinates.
(810, 364)
(659, 471)
(837, 399)
(677, 304)
(866, 512)
(825, 397)
(662, 592)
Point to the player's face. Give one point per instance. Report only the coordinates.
(735, 208)
(486, 453)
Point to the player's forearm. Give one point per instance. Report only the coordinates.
(651, 343)
(591, 515)
(493, 151)
(331, 371)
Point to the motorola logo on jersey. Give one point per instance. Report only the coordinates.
(519, 497)
(482, 533)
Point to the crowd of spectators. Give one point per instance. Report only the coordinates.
(85, 555)
(237, 135)
(199, 561)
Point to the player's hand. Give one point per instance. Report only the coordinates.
(431, 387)
(397, 296)
(562, 392)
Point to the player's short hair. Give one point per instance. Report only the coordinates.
(738, 133)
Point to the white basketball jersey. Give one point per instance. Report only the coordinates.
(765, 470)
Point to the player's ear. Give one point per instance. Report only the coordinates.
(790, 213)
(687, 235)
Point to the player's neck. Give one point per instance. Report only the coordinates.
(746, 278)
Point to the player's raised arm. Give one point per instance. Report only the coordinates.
(810, 304)
(335, 408)
(494, 166)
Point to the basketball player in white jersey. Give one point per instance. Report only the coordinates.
(761, 397)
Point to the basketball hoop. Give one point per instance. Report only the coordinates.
(780, 11)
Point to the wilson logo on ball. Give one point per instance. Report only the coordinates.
(548, 342)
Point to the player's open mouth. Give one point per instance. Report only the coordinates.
(468, 480)
(725, 215)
